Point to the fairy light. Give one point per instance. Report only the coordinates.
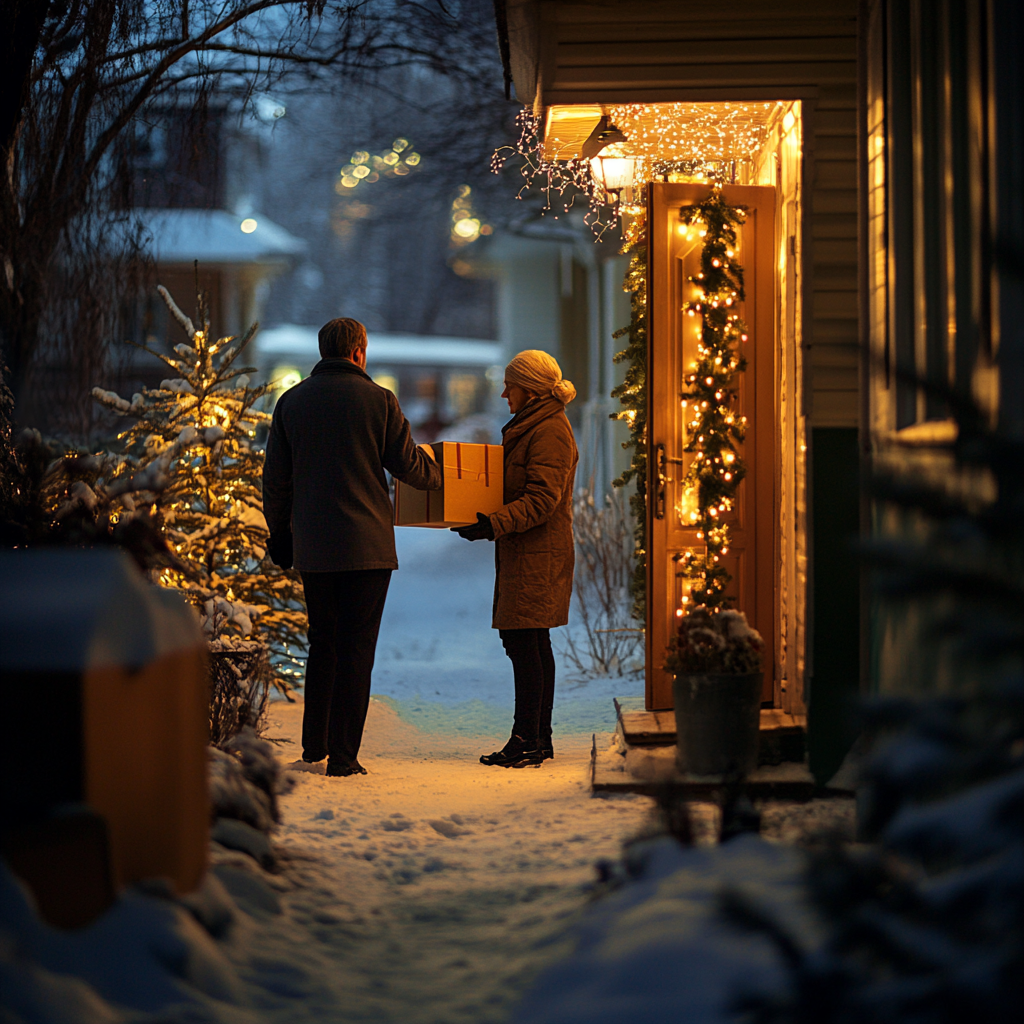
(666, 141)
(561, 181)
(365, 168)
(693, 131)
(713, 429)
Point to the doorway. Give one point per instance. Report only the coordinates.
(673, 258)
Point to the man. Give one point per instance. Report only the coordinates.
(326, 501)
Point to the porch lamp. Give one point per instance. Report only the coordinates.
(610, 166)
(613, 172)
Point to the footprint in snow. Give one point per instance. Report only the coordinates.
(325, 815)
(449, 829)
(396, 823)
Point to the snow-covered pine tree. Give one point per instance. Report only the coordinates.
(926, 923)
(188, 461)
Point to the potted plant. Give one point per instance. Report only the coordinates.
(717, 661)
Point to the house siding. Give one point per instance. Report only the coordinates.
(655, 52)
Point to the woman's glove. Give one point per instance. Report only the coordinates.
(480, 530)
(279, 547)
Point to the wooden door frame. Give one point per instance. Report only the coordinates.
(663, 387)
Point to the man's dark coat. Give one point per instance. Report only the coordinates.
(332, 437)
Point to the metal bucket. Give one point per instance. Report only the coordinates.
(718, 721)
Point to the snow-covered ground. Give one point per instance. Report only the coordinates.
(443, 666)
(436, 888)
(432, 890)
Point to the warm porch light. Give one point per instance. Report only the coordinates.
(613, 173)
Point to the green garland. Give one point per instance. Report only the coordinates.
(711, 389)
(713, 427)
(632, 393)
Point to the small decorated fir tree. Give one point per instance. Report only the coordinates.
(188, 463)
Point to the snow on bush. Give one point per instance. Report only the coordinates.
(657, 949)
(246, 781)
(715, 642)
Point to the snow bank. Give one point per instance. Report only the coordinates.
(659, 951)
(145, 955)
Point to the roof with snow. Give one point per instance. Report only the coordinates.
(216, 236)
(299, 343)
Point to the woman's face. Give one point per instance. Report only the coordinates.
(517, 397)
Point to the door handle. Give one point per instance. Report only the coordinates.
(662, 462)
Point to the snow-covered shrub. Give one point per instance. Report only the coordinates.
(246, 781)
(187, 463)
(239, 687)
(602, 640)
(715, 643)
(927, 924)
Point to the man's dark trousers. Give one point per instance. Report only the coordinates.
(344, 611)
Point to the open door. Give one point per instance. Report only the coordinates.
(671, 347)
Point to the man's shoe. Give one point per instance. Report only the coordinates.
(343, 770)
(547, 753)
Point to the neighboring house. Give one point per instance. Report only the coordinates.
(193, 196)
(890, 149)
(447, 387)
(559, 292)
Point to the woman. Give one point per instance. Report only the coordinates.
(534, 554)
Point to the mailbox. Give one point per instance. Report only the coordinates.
(104, 683)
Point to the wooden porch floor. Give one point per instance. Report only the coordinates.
(642, 757)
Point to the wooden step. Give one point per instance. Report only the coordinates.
(651, 769)
(782, 734)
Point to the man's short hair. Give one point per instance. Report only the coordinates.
(342, 337)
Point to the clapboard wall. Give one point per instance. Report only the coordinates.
(623, 52)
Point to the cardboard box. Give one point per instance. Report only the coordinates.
(473, 482)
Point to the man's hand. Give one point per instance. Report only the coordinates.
(279, 547)
(480, 530)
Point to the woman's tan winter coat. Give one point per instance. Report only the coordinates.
(533, 530)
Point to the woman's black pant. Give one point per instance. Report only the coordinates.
(533, 666)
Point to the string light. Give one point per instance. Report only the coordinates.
(561, 181)
(667, 142)
(716, 470)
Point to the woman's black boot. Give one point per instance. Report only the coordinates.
(515, 754)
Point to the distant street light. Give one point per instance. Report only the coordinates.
(248, 225)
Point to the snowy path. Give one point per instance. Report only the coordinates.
(433, 889)
(441, 663)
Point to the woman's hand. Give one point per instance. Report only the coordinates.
(480, 530)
